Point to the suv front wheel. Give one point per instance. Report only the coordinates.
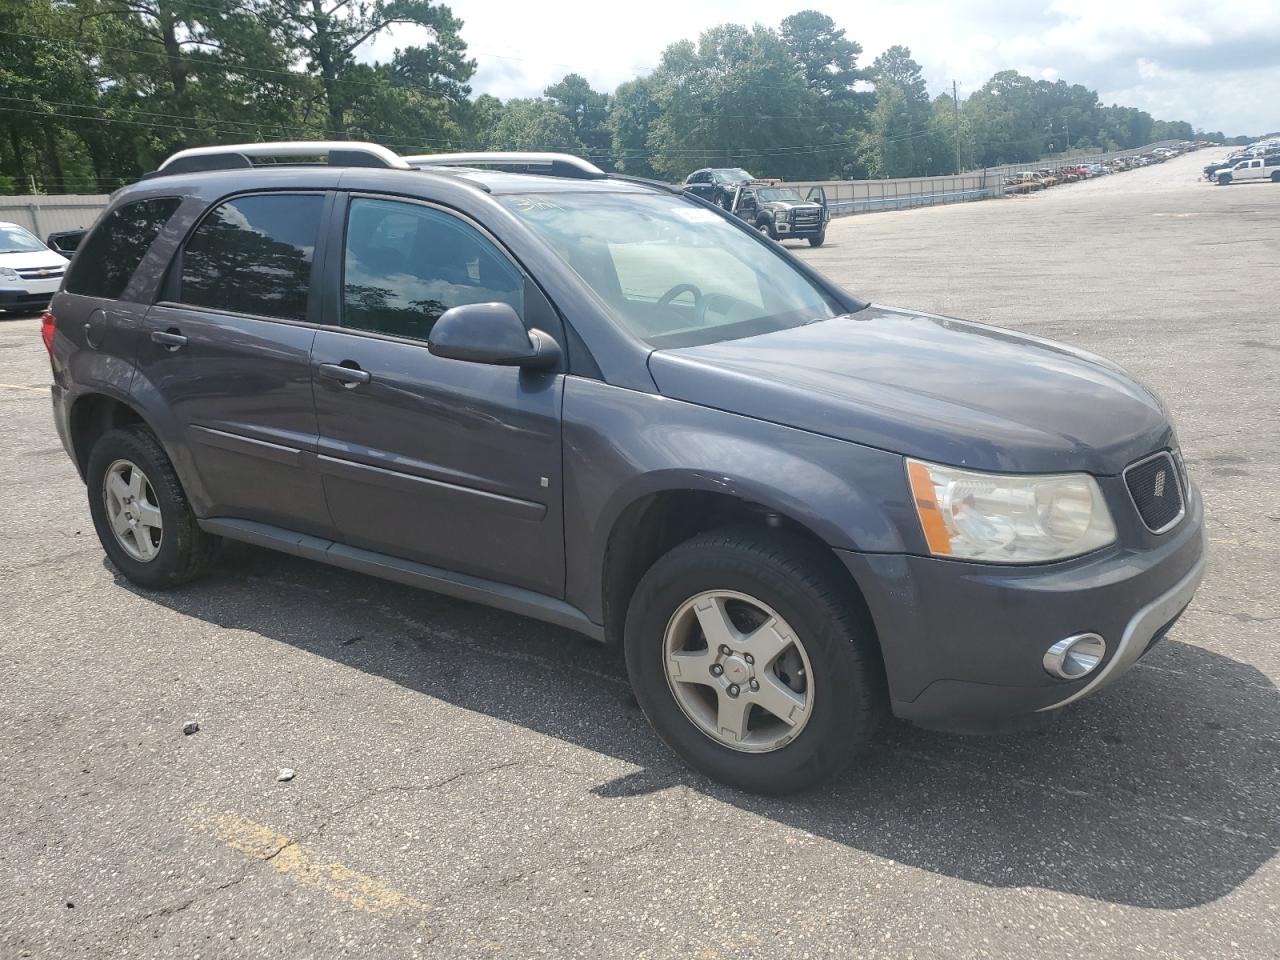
(750, 661)
(141, 513)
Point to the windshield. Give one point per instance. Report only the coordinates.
(13, 239)
(780, 193)
(673, 272)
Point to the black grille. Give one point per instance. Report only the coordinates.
(1156, 490)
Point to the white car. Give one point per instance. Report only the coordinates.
(30, 273)
(1255, 168)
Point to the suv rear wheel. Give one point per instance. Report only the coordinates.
(750, 662)
(141, 513)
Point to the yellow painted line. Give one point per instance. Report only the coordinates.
(15, 386)
(307, 865)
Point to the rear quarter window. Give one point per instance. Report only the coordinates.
(110, 254)
(253, 255)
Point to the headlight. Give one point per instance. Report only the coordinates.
(8, 274)
(781, 216)
(1009, 519)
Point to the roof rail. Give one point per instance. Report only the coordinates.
(647, 182)
(547, 164)
(338, 153)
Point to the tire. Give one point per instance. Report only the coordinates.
(183, 551)
(842, 689)
(1224, 180)
(1275, 177)
(819, 240)
(766, 227)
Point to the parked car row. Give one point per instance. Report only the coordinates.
(1029, 181)
(1258, 161)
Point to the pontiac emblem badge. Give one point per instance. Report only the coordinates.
(1160, 483)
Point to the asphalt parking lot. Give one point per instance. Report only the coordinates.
(471, 784)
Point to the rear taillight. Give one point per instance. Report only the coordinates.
(48, 327)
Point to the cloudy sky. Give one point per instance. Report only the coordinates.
(1214, 64)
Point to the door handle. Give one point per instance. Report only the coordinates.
(169, 339)
(347, 373)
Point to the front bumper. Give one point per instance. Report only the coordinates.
(34, 295)
(799, 229)
(964, 643)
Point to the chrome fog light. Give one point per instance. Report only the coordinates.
(1075, 657)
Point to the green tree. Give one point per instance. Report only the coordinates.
(633, 109)
(897, 143)
(896, 66)
(949, 146)
(587, 112)
(1007, 127)
(478, 118)
(828, 60)
(736, 98)
(325, 34)
(889, 148)
(534, 125)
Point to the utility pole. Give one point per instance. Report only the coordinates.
(955, 108)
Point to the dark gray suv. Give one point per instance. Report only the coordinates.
(598, 402)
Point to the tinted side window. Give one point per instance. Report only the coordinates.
(406, 264)
(253, 255)
(112, 252)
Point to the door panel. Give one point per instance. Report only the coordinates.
(449, 463)
(241, 390)
(228, 353)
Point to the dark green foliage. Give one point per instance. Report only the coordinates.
(93, 93)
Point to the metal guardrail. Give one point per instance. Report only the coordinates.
(847, 197)
(845, 207)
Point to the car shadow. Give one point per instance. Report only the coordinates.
(1160, 793)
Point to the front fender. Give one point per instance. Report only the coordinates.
(621, 446)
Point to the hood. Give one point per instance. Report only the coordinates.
(36, 258)
(944, 390)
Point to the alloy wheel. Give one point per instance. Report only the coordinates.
(738, 671)
(132, 510)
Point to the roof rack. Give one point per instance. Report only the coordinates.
(548, 164)
(233, 156)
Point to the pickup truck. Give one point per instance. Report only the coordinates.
(776, 210)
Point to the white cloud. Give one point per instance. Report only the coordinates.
(1178, 59)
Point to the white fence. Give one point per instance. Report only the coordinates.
(43, 215)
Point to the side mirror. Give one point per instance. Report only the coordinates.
(491, 333)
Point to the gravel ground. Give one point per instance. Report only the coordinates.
(471, 784)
